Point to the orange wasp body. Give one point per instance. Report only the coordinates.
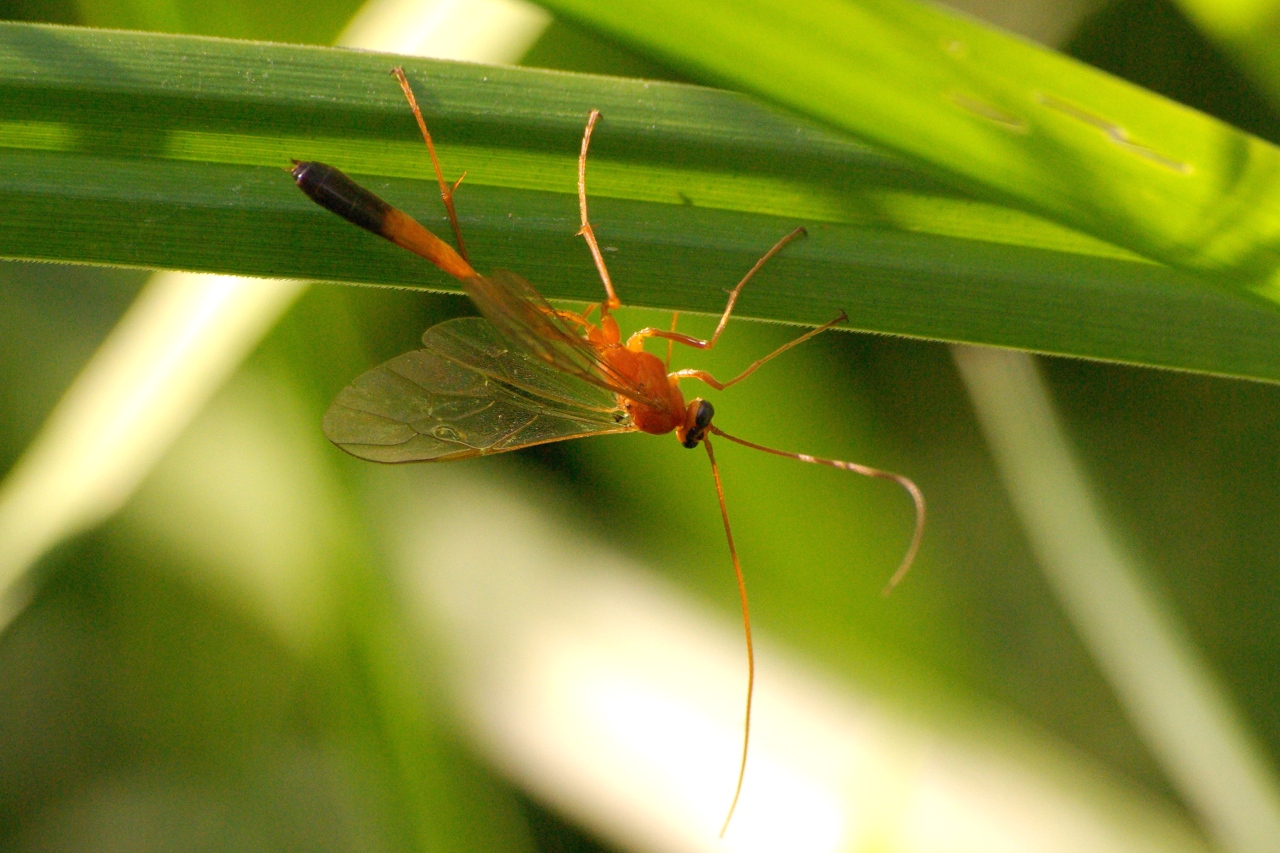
(529, 373)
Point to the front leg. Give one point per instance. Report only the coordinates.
(703, 376)
(636, 341)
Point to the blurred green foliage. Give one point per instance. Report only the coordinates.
(137, 694)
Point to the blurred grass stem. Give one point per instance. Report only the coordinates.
(181, 338)
(1162, 682)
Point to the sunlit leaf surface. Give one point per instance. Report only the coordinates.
(147, 150)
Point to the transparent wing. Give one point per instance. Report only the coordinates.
(521, 314)
(468, 393)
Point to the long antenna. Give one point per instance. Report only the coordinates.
(746, 629)
(912, 489)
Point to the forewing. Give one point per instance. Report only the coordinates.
(523, 317)
(468, 393)
(475, 344)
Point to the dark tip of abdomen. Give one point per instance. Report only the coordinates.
(334, 191)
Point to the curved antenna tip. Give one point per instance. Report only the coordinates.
(917, 497)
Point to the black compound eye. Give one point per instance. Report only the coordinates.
(702, 417)
(701, 421)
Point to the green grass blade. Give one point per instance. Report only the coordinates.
(166, 151)
(1000, 116)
